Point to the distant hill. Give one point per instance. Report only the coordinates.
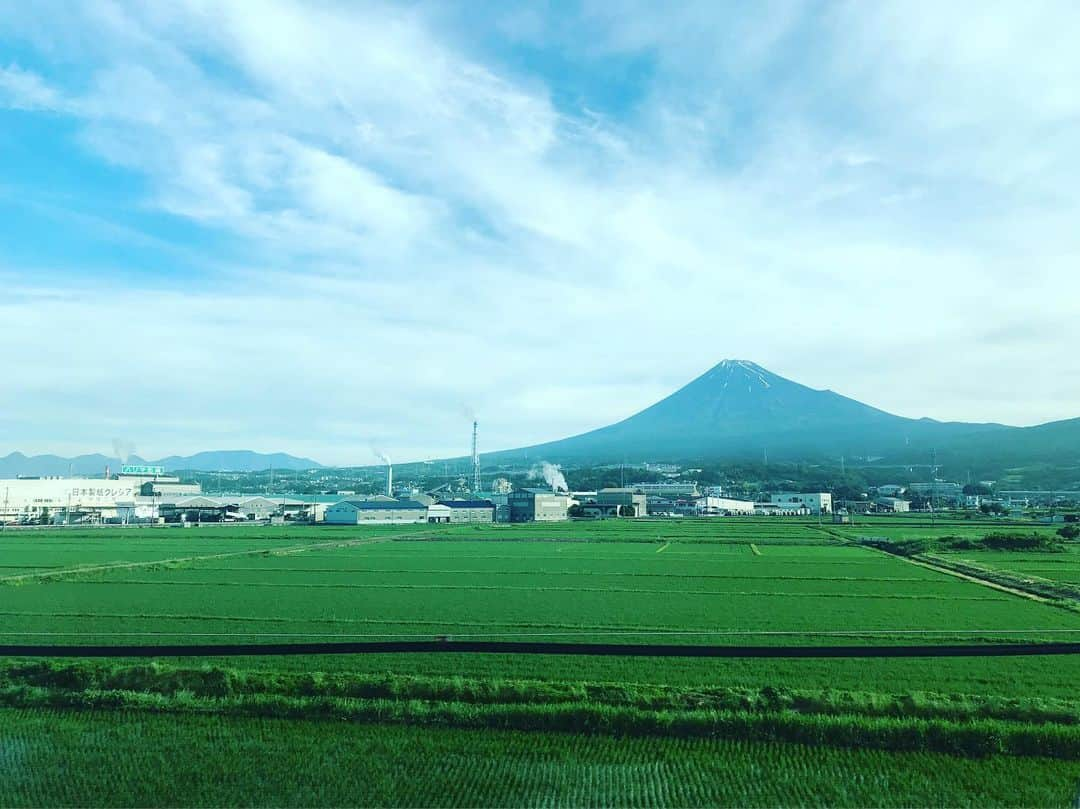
(740, 410)
(230, 460)
(237, 460)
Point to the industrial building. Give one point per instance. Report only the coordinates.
(501, 502)
(815, 503)
(943, 489)
(470, 510)
(462, 511)
(62, 499)
(376, 512)
(709, 506)
(1040, 497)
(538, 505)
(169, 489)
(668, 489)
(894, 504)
(781, 509)
(627, 502)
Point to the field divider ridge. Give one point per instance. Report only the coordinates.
(45, 575)
(941, 566)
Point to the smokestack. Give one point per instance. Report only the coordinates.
(389, 469)
(475, 460)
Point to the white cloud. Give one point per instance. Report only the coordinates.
(862, 200)
(25, 90)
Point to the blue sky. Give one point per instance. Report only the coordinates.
(313, 226)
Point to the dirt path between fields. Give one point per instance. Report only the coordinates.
(969, 577)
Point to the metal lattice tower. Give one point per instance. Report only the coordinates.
(475, 460)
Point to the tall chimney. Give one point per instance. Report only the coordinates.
(389, 479)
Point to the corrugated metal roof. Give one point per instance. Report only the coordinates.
(467, 503)
(386, 505)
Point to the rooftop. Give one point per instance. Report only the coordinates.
(385, 505)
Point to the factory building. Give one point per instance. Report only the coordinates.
(598, 511)
(943, 489)
(669, 488)
(538, 505)
(462, 511)
(1040, 497)
(796, 509)
(62, 499)
(470, 510)
(221, 508)
(197, 510)
(501, 502)
(710, 506)
(627, 502)
(894, 504)
(169, 489)
(376, 512)
(815, 503)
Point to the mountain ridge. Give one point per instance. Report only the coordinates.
(738, 410)
(16, 463)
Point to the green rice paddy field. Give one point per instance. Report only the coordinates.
(738, 581)
(219, 761)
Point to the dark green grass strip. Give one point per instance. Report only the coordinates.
(227, 681)
(541, 589)
(536, 648)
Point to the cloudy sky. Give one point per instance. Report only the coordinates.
(309, 226)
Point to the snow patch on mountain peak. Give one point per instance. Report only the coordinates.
(742, 370)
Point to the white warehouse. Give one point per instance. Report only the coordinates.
(815, 503)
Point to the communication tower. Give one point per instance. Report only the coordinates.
(475, 460)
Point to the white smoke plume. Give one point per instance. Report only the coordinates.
(381, 455)
(123, 449)
(551, 474)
